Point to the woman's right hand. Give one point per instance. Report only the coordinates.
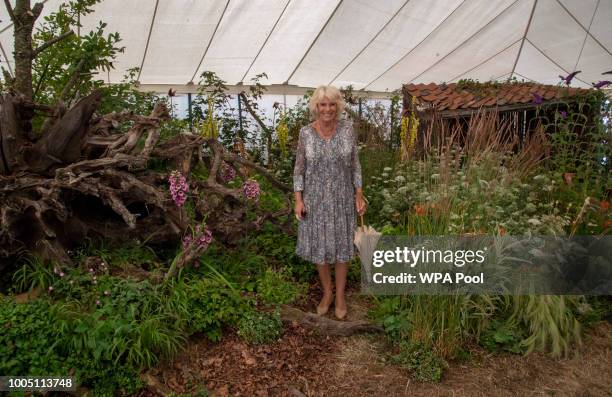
(300, 210)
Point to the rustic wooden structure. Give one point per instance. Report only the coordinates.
(522, 106)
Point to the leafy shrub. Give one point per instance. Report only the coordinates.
(27, 339)
(33, 343)
(33, 273)
(424, 364)
(258, 328)
(212, 305)
(119, 256)
(503, 335)
(277, 288)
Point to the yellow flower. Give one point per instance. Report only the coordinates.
(414, 126)
(404, 130)
(209, 128)
(282, 131)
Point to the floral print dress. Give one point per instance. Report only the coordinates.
(327, 172)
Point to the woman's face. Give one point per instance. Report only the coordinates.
(327, 110)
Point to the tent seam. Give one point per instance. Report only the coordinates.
(553, 61)
(586, 35)
(487, 60)
(583, 28)
(144, 55)
(265, 41)
(416, 46)
(371, 41)
(518, 55)
(465, 41)
(212, 37)
(314, 41)
(8, 64)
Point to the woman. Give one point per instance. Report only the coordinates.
(327, 186)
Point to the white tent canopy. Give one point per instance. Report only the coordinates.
(373, 45)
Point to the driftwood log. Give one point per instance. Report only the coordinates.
(85, 175)
(85, 178)
(324, 325)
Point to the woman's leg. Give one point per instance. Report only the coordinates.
(326, 284)
(341, 272)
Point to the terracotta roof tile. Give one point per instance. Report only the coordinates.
(475, 95)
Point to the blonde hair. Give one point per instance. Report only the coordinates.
(326, 91)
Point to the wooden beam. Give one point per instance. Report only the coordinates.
(273, 89)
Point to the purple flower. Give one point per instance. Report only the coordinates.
(97, 302)
(228, 173)
(563, 114)
(187, 239)
(203, 237)
(61, 274)
(537, 98)
(178, 188)
(602, 83)
(251, 190)
(568, 79)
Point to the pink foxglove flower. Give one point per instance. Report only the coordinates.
(228, 173)
(251, 190)
(178, 188)
(187, 240)
(202, 236)
(205, 238)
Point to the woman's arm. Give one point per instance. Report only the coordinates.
(357, 180)
(299, 170)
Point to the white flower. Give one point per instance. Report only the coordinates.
(534, 222)
(387, 169)
(400, 178)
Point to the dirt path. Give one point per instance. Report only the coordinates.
(304, 364)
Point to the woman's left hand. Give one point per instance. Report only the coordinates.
(360, 204)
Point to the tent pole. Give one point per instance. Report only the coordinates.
(392, 132)
(240, 115)
(190, 114)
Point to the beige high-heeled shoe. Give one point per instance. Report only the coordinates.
(322, 310)
(340, 314)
